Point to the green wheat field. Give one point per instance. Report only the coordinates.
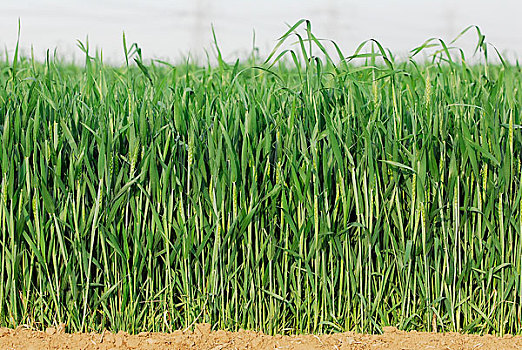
(303, 192)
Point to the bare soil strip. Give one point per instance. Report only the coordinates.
(203, 338)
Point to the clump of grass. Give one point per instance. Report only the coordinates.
(303, 194)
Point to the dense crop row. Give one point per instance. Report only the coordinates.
(301, 196)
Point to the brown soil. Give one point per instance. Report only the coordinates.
(203, 338)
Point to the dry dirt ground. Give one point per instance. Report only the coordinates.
(203, 338)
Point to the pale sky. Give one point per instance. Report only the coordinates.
(172, 29)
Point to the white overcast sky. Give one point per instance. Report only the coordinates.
(172, 29)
